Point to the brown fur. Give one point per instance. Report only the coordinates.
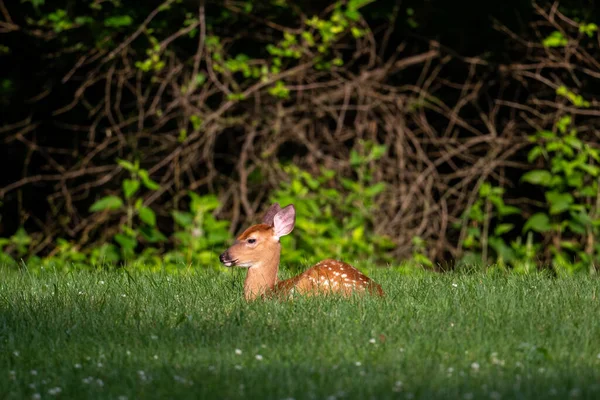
(262, 260)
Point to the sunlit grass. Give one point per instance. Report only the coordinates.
(150, 335)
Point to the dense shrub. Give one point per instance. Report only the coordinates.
(146, 127)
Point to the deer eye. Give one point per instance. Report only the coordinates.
(251, 240)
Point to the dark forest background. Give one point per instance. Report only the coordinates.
(437, 133)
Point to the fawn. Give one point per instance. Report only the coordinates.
(258, 249)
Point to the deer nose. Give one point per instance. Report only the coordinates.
(224, 258)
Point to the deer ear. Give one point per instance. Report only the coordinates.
(284, 220)
(270, 214)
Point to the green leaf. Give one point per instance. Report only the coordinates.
(147, 215)
(130, 186)
(375, 189)
(183, 219)
(559, 202)
(126, 242)
(538, 222)
(537, 177)
(352, 14)
(503, 228)
(200, 79)
(149, 183)
(556, 39)
(152, 235)
(107, 203)
(118, 21)
(127, 165)
(508, 210)
(358, 233)
(535, 153)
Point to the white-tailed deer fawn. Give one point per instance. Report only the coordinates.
(258, 249)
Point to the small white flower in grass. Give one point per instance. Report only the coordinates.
(87, 380)
(33, 372)
(475, 366)
(36, 396)
(54, 391)
(128, 352)
(142, 375)
(454, 285)
(598, 356)
(100, 365)
(77, 366)
(153, 337)
(258, 357)
(99, 382)
(495, 360)
(155, 357)
(372, 340)
(80, 293)
(16, 353)
(101, 282)
(123, 295)
(358, 363)
(397, 386)
(238, 367)
(238, 351)
(401, 349)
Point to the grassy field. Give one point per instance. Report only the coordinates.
(151, 335)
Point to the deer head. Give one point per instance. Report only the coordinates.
(260, 243)
(258, 249)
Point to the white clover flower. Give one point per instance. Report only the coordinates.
(101, 282)
(358, 363)
(475, 366)
(77, 366)
(372, 340)
(87, 380)
(258, 357)
(454, 285)
(238, 367)
(238, 351)
(54, 391)
(33, 372)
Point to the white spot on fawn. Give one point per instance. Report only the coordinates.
(344, 275)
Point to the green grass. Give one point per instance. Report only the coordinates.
(152, 335)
